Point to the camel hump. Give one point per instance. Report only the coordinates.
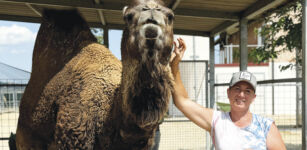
(64, 20)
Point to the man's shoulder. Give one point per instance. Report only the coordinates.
(262, 123)
(262, 119)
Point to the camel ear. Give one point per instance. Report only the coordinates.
(124, 9)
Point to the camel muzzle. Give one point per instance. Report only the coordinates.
(151, 31)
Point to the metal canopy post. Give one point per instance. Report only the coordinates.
(212, 78)
(106, 37)
(211, 84)
(243, 44)
(304, 65)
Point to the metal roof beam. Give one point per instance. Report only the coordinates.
(107, 26)
(38, 20)
(100, 14)
(176, 31)
(173, 5)
(101, 17)
(33, 9)
(95, 24)
(259, 7)
(223, 27)
(191, 32)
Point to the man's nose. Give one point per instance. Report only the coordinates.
(241, 93)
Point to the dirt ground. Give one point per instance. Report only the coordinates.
(176, 134)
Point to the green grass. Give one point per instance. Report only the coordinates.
(223, 106)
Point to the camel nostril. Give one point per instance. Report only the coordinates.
(151, 20)
(151, 32)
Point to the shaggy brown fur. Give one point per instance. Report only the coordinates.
(76, 98)
(71, 89)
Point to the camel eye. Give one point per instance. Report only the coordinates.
(145, 9)
(170, 17)
(129, 17)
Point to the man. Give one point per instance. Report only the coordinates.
(238, 129)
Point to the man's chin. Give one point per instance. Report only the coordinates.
(240, 105)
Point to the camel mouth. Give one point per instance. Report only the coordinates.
(151, 31)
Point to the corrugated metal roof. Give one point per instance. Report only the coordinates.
(12, 75)
(192, 17)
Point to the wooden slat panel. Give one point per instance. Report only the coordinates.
(114, 17)
(127, 2)
(123, 2)
(91, 15)
(16, 9)
(111, 17)
(193, 23)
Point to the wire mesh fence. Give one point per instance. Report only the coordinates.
(280, 101)
(11, 92)
(182, 134)
(177, 132)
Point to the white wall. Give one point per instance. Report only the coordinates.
(201, 47)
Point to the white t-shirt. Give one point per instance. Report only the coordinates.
(227, 136)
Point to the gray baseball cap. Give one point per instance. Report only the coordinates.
(243, 76)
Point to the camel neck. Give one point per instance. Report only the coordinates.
(144, 86)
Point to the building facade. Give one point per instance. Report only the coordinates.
(12, 85)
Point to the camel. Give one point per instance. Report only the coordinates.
(80, 96)
(72, 86)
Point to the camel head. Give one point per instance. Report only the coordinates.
(148, 35)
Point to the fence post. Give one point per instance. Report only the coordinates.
(243, 44)
(304, 65)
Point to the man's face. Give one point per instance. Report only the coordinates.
(240, 96)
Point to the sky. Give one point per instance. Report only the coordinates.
(16, 43)
(17, 40)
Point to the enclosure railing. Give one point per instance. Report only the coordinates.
(229, 53)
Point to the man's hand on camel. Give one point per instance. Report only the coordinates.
(178, 52)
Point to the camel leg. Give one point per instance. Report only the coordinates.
(25, 140)
(31, 131)
(75, 129)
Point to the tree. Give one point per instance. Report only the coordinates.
(98, 33)
(282, 31)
